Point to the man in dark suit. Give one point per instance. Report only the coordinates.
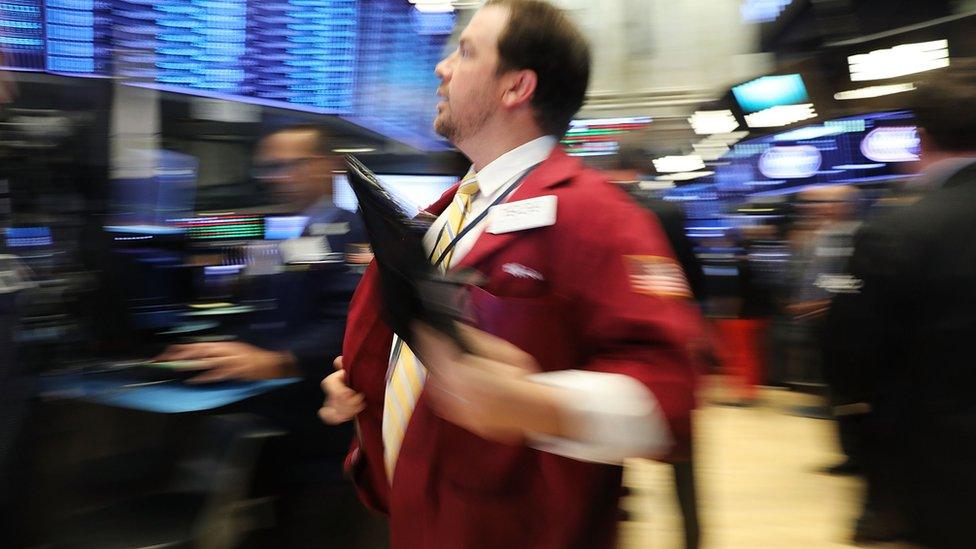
(299, 337)
(900, 335)
(297, 164)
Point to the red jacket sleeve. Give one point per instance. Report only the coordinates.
(636, 313)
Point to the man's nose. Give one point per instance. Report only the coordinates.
(443, 69)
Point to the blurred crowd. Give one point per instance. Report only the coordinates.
(171, 352)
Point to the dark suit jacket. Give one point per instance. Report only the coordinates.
(308, 320)
(311, 304)
(902, 341)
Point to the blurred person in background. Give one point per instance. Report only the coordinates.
(830, 222)
(297, 164)
(743, 346)
(900, 334)
(494, 456)
(299, 338)
(630, 168)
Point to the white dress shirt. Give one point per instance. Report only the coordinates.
(493, 180)
(617, 416)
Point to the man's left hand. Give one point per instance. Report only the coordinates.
(227, 360)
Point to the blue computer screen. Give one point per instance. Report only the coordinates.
(771, 91)
(282, 227)
(25, 237)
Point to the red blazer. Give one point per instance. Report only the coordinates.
(453, 489)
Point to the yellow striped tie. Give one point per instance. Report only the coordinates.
(408, 374)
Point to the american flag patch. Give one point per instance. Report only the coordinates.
(656, 275)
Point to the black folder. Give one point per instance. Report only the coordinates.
(411, 287)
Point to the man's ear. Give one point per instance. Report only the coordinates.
(520, 88)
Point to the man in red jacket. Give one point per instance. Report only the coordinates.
(580, 358)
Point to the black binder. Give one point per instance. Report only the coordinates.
(411, 287)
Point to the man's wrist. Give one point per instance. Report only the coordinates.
(537, 409)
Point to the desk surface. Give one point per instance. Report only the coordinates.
(167, 397)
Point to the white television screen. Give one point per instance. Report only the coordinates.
(418, 191)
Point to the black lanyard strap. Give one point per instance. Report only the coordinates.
(472, 224)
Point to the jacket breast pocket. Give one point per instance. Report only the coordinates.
(540, 326)
(516, 280)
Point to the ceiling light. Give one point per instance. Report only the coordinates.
(670, 164)
(783, 115)
(353, 150)
(899, 61)
(873, 91)
(709, 122)
(684, 176)
(433, 6)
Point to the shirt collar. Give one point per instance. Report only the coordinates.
(511, 164)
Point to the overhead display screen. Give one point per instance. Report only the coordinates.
(771, 91)
(371, 60)
(295, 52)
(867, 149)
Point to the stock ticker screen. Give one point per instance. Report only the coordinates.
(869, 149)
(296, 52)
(367, 59)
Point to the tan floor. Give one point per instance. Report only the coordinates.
(759, 484)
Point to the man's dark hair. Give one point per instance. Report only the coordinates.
(323, 142)
(541, 38)
(943, 106)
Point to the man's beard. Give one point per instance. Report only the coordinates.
(457, 130)
(445, 127)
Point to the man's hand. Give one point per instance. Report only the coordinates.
(486, 390)
(341, 403)
(227, 360)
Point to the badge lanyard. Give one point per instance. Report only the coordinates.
(447, 251)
